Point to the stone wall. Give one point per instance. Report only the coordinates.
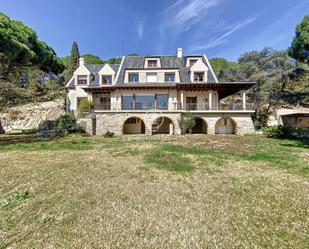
(31, 116)
(113, 121)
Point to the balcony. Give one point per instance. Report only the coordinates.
(103, 107)
(220, 107)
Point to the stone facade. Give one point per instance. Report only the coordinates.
(114, 121)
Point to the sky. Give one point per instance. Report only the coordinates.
(217, 28)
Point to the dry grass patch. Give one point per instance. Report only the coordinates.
(86, 197)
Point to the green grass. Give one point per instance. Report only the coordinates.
(174, 192)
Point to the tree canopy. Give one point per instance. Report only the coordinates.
(300, 45)
(19, 46)
(223, 68)
(73, 60)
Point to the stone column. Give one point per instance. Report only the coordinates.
(244, 100)
(182, 102)
(210, 100)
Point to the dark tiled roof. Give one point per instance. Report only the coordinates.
(95, 68)
(137, 62)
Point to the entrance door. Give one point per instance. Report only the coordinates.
(191, 103)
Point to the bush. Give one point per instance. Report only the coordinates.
(280, 131)
(186, 122)
(84, 106)
(109, 134)
(66, 124)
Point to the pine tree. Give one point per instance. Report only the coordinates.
(73, 65)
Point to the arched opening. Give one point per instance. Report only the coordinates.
(200, 126)
(225, 126)
(134, 125)
(163, 125)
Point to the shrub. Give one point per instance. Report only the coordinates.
(66, 124)
(84, 106)
(109, 134)
(280, 131)
(186, 122)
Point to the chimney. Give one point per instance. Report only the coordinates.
(179, 52)
(81, 61)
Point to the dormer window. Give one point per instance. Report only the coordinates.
(198, 76)
(152, 63)
(133, 77)
(82, 80)
(107, 79)
(192, 62)
(169, 77)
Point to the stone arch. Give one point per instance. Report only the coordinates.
(163, 125)
(225, 125)
(200, 126)
(133, 125)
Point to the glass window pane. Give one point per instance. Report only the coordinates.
(127, 102)
(170, 77)
(133, 77)
(162, 101)
(151, 77)
(144, 102)
(107, 79)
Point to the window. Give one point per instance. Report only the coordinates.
(133, 77)
(82, 79)
(162, 101)
(192, 62)
(169, 77)
(151, 77)
(107, 79)
(144, 102)
(199, 77)
(127, 102)
(152, 63)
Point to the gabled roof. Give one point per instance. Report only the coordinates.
(137, 63)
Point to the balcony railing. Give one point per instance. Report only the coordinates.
(177, 107)
(103, 107)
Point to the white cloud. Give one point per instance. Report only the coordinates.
(140, 28)
(181, 16)
(222, 38)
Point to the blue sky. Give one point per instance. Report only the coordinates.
(218, 28)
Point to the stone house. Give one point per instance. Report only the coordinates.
(147, 95)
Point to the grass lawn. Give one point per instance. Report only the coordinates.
(157, 192)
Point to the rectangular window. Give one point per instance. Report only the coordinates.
(191, 103)
(199, 77)
(169, 77)
(151, 77)
(127, 102)
(133, 77)
(162, 102)
(152, 63)
(107, 79)
(144, 102)
(82, 79)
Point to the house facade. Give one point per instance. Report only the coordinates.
(148, 94)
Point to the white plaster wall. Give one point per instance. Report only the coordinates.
(73, 94)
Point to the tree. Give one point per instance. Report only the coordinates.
(20, 47)
(92, 59)
(270, 69)
(300, 45)
(224, 69)
(74, 60)
(186, 122)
